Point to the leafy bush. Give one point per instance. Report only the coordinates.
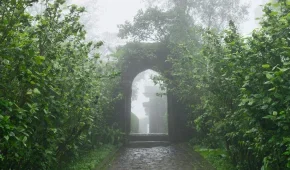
(240, 91)
(52, 98)
(217, 157)
(92, 159)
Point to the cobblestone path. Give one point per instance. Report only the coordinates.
(158, 158)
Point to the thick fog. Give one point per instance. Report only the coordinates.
(103, 17)
(101, 22)
(149, 105)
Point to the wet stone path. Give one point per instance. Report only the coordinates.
(158, 158)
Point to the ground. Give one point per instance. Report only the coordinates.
(172, 157)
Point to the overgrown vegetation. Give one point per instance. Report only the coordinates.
(242, 87)
(245, 92)
(91, 160)
(217, 157)
(54, 92)
(236, 88)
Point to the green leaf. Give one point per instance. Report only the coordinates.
(29, 92)
(6, 137)
(251, 102)
(39, 59)
(269, 76)
(6, 118)
(36, 91)
(11, 134)
(269, 117)
(24, 139)
(266, 66)
(284, 69)
(273, 13)
(272, 89)
(264, 107)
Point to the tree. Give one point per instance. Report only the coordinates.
(178, 19)
(51, 97)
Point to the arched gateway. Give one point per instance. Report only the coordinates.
(136, 58)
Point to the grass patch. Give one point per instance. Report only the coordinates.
(92, 159)
(217, 157)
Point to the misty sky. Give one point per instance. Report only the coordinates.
(116, 12)
(107, 14)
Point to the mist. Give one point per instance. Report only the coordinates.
(102, 18)
(144, 84)
(149, 105)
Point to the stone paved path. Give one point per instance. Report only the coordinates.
(158, 158)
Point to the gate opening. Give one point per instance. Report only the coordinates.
(149, 113)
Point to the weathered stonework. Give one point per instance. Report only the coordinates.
(132, 66)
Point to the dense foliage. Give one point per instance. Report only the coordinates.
(242, 87)
(54, 92)
(237, 88)
(247, 104)
(93, 159)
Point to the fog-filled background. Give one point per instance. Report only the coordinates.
(103, 17)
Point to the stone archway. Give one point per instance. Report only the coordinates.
(151, 56)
